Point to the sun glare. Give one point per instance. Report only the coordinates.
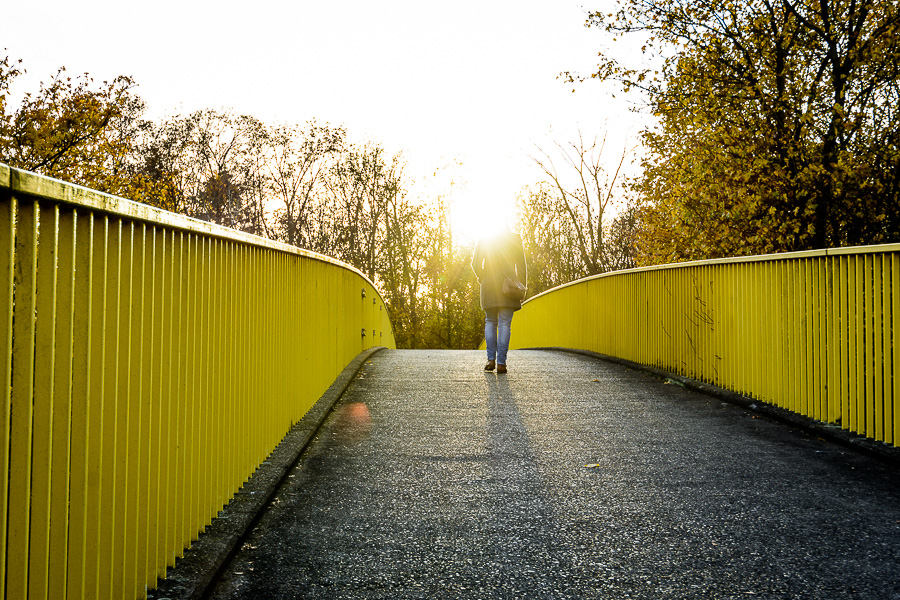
(474, 217)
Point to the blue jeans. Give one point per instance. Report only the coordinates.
(497, 322)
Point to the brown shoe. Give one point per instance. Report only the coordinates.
(490, 365)
(501, 369)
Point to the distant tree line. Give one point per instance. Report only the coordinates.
(307, 186)
(777, 129)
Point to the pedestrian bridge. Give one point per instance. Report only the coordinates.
(569, 477)
(154, 362)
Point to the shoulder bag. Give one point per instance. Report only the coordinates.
(513, 288)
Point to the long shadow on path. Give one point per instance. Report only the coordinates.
(568, 477)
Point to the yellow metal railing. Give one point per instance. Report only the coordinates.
(812, 332)
(151, 362)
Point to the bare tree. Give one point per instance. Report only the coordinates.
(295, 168)
(586, 200)
(217, 157)
(361, 185)
(549, 238)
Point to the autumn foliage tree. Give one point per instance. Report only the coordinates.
(76, 130)
(70, 129)
(778, 123)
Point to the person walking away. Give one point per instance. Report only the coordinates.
(495, 259)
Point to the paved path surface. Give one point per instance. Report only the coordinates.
(568, 477)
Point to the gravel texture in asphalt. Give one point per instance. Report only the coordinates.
(568, 477)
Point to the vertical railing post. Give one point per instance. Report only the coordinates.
(22, 400)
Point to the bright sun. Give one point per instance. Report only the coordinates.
(475, 216)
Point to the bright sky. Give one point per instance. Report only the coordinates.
(473, 82)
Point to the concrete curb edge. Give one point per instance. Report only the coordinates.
(194, 575)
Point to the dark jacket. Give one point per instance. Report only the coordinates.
(494, 259)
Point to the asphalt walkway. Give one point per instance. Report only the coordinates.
(569, 477)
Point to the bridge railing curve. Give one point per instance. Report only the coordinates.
(812, 332)
(150, 363)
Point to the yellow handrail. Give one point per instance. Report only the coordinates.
(812, 332)
(151, 362)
